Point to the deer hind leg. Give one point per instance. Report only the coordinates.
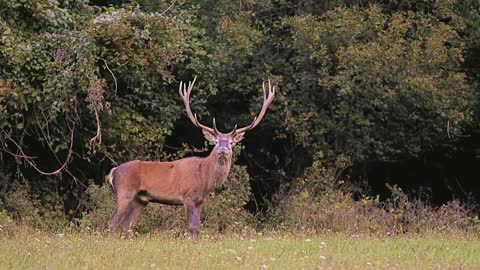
(193, 212)
(134, 211)
(123, 201)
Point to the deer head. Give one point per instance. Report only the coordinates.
(224, 141)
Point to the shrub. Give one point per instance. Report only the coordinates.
(321, 202)
(99, 204)
(33, 208)
(7, 224)
(224, 207)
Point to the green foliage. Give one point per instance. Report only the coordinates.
(390, 83)
(139, 137)
(84, 86)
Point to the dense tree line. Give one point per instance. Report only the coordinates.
(362, 85)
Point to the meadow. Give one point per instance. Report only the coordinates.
(39, 250)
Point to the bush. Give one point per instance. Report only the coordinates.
(32, 208)
(320, 202)
(7, 224)
(224, 207)
(99, 204)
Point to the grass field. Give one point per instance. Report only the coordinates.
(287, 251)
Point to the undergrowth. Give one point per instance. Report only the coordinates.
(320, 201)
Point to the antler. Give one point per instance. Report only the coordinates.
(266, 102)
(185, 95)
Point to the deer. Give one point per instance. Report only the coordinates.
(186, 181)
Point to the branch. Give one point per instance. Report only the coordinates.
(448, 129)
(98, 136)
(166, 10)
(29, 159)
(114, 79)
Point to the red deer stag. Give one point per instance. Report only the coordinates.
(185, 181)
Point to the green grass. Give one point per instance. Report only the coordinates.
(287, 251)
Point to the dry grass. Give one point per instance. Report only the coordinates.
(260, 251)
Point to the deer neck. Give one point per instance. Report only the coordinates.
(219, 167)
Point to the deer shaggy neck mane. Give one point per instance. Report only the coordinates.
(219, 167)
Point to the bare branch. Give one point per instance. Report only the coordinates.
(168, 8)
(98, 136)
(29, 159)
(448, 129)
(114, 79)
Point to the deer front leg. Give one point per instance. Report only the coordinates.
(193, 211)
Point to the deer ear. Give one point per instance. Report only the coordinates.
(238, 137)
(209, 136)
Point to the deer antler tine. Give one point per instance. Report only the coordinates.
(190, 85)
(196, 119)
(263, 87)
(234, 130)
(215, 126)
(269, 87)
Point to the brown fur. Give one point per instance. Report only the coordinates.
(185, 182)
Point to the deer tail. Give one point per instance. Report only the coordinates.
(110, 176)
